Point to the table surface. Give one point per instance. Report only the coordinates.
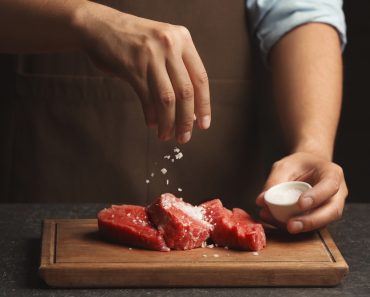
(20, 227)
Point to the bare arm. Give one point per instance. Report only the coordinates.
(307, 76)
(158, 59)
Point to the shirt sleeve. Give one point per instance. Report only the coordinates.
(272, 19)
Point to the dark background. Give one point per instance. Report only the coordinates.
(353, 141)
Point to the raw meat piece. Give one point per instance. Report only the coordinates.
(129, 224)
(181, 224)
(234, 229)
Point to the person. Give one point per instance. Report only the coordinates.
(301, 42)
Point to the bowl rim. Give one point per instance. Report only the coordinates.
(300, 183)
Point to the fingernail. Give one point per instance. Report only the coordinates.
(296, 226)
(152, 125)
(306, 202)
(184, 138)
(164, 137)
(205, 122)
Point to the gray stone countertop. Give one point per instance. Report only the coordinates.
(20, 229)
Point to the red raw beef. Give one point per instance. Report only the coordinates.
(129, 224)
(234, 229)
(180, 223)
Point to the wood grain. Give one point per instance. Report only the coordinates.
(74, 255)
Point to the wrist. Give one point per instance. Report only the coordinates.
(79, 23)
(318, 148)
(91, 20)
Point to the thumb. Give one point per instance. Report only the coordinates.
(278, 174)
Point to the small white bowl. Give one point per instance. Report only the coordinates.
(282, 199)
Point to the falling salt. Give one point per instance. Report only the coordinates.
(167, 182)
(164, 170)
(152, 174)
(176, 150)
(172, 160)
(179, 156)
(147, 181)
(167, 157)
(179, 189)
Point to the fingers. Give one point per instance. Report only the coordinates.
(326, 188)
(147, 103)
(180, 89)
(164, 97)
(184, 99)
(199, 78)
(321, 216)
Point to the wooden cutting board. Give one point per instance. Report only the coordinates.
(74, 255)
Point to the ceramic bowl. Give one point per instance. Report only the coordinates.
(282, 199)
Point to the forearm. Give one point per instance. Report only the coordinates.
(39, 25)
(307, 77)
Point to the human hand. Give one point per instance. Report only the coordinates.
(158, 59)
(322, 204)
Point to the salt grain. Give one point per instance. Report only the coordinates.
(204, 255)
(167, 157)
(255, 254)
(147, 181)
(167, 182)
(179, 156)
(176, 150)
(216, 255)
(172, 160)
(211, 246)
(130, 249)
(152, 174)
(179, 189)
(226, 247)
(164, 170)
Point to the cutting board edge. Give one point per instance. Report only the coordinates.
(65, 276)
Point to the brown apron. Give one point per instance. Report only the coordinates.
(79, 135)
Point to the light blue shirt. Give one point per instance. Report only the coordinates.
(271, 19)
